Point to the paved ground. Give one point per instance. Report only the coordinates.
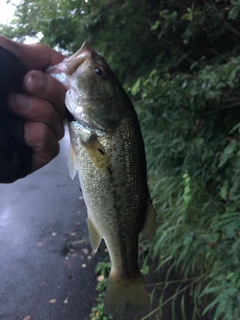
(47, 270)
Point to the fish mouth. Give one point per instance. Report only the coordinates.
(70, 65)
(73, 62)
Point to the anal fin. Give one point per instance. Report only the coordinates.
(94, 235)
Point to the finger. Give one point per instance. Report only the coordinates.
(36, 110)
(42, 141)
(33, 56)
(44, 86)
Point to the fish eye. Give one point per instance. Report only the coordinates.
(99, 71)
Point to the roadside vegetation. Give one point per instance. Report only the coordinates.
(180, 63)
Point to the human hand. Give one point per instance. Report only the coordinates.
(41, 104)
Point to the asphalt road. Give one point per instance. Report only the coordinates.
(47, 268)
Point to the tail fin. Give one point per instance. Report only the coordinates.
(126, 298)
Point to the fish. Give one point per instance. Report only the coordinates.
(107, 150)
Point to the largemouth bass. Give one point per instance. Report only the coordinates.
(107, 150)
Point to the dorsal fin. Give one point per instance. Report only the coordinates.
(149, 229)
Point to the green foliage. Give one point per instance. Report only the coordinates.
(190, 121)
(102, 269)
(180, 61)
(110, 27)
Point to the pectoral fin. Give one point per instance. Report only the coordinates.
(97, 153)
(149, 228)
(95, 237)
(72, 162)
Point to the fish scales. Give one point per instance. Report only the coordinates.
(107, 150)
(125, 202)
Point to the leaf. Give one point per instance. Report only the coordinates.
(155, 25)
(135, 88)
(237, 126)
(227, 153)
(224, 190)
(209, 306)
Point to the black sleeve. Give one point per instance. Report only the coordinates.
(15, 156)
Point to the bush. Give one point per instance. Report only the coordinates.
(190, 121)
